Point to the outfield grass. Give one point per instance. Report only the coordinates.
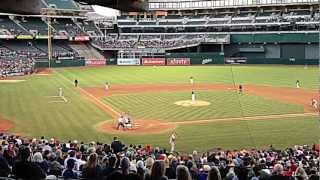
(27, 105)
(279, 75)
(224, 104)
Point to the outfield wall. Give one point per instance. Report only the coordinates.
(60, 63)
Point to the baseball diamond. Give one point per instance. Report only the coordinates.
(149, 94)
(159, 89)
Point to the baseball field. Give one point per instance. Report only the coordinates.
(271, 110)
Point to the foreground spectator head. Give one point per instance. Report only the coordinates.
(70, 164)
(183, 173)
(69, 173)
(37, 157)
(125, 164)
(149, 162)
(158, 170)
(278, 169)
(113, 161)
(214, 174)
(301, 174)
(24, 153)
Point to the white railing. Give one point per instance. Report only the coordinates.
(201, 4)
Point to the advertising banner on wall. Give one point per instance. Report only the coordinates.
(81, 38)
(236, 60)
(24, 37)
(96, 62)
(178, 61)
(128, 61)
(41, 37)
(7, 36)
(153, 61)
(60, 37)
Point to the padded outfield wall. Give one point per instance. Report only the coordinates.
(273, 48)
(291, 48)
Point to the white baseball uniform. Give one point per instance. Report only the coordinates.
(172, 142)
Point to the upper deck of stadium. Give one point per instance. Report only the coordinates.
(205, 4)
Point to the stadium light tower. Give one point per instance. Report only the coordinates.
(49, 12)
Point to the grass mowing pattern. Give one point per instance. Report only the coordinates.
(27, 104)
(223, 104)
(284, 76)
(281, 133)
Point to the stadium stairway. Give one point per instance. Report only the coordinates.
(87, 51)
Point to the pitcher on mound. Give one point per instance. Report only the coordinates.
(193, 96)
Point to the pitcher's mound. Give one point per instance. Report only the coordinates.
(190, 103)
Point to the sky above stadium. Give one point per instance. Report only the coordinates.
(105, 11)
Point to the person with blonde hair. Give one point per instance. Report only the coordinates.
(38, 159)
(183, 173)
(214, 174)
(157, 171)
(91, 170)
(300, 174)
(277, 173)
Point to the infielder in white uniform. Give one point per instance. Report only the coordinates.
(298, 84)
(191, 80)
(172, 141)
(193, 96)
(106, 86)
(60, 92)
(314, 103)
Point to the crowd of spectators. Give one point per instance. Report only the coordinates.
(74, 30)
(9, 67)
(164, 43)
(13, 64)
(42, 158)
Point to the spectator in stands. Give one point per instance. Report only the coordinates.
(110, 167)
(55, 168)
(69, 173)
(116, 145)
(4, 166)
(214, 174)
(91, 169)
(71, 155)
(158, 171)
(183, 173)
(313, 174)
(140, 170)
(301, 174)
(24, 169)
(171, 171)
(277, 173)
(149, 163)
(38, 159)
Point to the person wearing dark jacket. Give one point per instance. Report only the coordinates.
(4, 166)
(69, 173)
(116, 145)
(24, 169)
(111, 167)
